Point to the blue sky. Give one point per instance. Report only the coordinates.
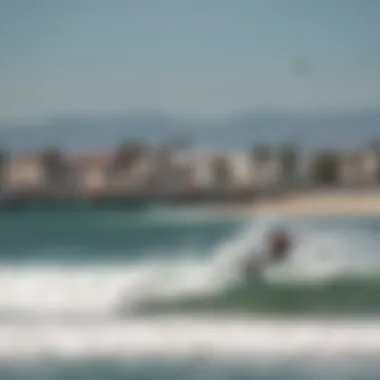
(186, 57)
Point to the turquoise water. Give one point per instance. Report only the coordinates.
(101, 268)
(335, 268)
(93, 237)
(118, 370)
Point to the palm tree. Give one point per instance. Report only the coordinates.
(261, 156)
(221, 171)
(127, 154)
(54, 166)
(374, 147)
(3, 165)
(288, 157)
(324, 168)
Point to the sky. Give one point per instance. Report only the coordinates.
(186, 57)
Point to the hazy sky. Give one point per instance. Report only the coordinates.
(191, 57)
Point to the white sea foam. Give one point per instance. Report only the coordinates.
(100, 288)
(183, 338)
(320, 254)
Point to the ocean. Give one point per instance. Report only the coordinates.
(156, 293)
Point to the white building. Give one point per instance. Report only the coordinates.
(370, 167)
(90, 171)
(24, 172)
(266, 173)
(239, 163)
(242, 169)
(361, 168)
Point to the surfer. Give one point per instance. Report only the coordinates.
(277, 248)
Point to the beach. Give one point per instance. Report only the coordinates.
(315, 203)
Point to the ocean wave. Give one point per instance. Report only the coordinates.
(329, 270)
(190, 337)
(351, 295)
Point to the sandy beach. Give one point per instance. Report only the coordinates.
(326, 203)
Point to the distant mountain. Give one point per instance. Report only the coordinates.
(334, 129)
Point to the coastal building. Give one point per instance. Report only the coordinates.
(304, 165)
(93, 173)
(349, 174)
(266, 173)
(241, 166)
(161, 174)
(202, 176)
(214, 169)
(169, 170)
(359, 168)
(25, 172)
(289, 159)
(90, 172)
(183, 169)
(127, 166)
(238, 168)
(132, 177)
(276, 166)
(370, 168)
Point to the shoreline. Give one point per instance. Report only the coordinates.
(314, 204)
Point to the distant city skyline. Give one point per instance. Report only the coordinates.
(190, 58)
